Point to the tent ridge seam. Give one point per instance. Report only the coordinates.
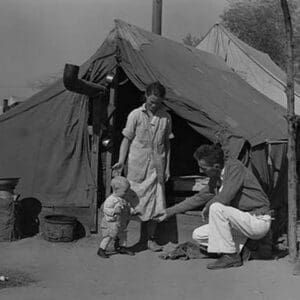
(255, 61)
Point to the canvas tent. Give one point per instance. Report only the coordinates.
(254, 66)
(45, 139)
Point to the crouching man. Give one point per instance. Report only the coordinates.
(235, 204)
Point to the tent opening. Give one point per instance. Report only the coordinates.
(186, 140)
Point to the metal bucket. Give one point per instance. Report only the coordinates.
(59, 228)
(8, 184)
(7, 208)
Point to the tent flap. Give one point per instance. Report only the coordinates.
(46, 145)
(254, 66)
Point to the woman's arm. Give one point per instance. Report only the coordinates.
(168, 155)
(122, 155)
(169, 135)
(129, 134)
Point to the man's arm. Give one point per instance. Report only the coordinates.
(233, 182)
(190, 203)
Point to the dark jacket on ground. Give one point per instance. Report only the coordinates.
(240, 189)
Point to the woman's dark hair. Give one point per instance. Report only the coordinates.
(212, 154)
(156, 89)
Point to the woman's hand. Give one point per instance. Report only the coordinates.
(167, 176)
(135, 212)
(118, 168)
(167, 172)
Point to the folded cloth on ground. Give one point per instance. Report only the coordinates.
(184, 251)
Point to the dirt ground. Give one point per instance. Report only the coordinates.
(73, 271)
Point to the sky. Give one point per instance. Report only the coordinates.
(39, 36)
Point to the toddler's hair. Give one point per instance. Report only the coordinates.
(119, 181)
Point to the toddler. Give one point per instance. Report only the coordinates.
(116, 215)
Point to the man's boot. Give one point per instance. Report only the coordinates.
(226, 261)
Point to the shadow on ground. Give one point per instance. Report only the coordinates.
(15, 278)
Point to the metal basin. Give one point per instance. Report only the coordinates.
(8, 183)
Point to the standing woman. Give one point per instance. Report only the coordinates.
(147, 142)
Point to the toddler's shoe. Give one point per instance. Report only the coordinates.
(102, 253)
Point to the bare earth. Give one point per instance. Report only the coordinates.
(73, 271)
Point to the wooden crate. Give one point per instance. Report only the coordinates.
(188, 183)
(186, 186)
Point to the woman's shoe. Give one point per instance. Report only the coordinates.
(124, 250)
(153, 246)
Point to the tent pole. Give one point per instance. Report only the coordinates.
(110, 112)
(98, 117)
(292, 126)
(109, 153)
(156, 16)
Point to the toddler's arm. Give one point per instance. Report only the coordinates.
(134, 212)
(118, 208)
(109, 207)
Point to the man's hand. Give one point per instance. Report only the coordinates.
(162, 216)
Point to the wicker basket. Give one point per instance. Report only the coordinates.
(59, 228)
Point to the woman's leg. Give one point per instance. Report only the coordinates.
(144, 232)
(151, 230)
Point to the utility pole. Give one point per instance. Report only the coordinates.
(156, 16)
(292, 127)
